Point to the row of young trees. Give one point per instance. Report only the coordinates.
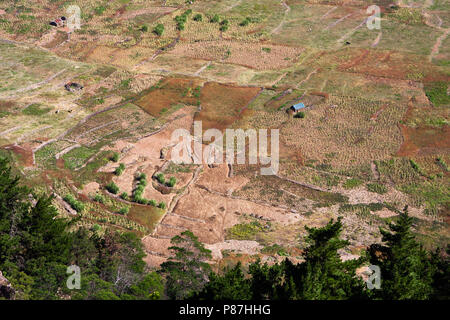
(36, 247)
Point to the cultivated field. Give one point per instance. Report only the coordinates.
(374, 135)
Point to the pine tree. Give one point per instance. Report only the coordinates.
(323, 274)
(232, 285)
(406, 268)
(187, 271)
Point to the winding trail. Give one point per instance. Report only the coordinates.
(286, 11)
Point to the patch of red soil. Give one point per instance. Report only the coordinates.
(223, 104)
(24, 153)
(422, 140)
(172, 91)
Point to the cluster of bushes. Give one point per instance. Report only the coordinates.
(299, 115)
(169, 183)
(181, 19)
(224, 25)
(115, 157)
(159, 29)
(137, 193)
(198, 17)
(139, 190)
(245, 22)
(99, 198)
(215, 19)
(112, 187)
(119, 170)
(78, 206)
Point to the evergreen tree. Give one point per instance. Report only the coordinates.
(187, 271)
(406, 268)
(441, 280)
(232, 285)
(323, 274)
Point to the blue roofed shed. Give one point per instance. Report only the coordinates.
(297, 106)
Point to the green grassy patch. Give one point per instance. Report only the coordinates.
(437, 93)
(244, 231)
(35, 110)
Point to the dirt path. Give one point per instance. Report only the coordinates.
(202, 68)
(278, 79)
(377, 40)
(438, 43)
(439, 40)
(233, 5)
(307, 78)
(286, 11)
(331, 25)
(328, 12)
(351, 32)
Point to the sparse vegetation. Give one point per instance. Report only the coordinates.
(376, 187)
(119, 170)
(112, 187)
(77, 205)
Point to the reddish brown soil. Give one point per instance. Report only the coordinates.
(24, 153)
(171, 92)
(422, 140)
(222, 104)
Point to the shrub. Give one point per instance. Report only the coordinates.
(112, 187)
(215, 19)
(245, 22)
(124, 210)
(300, 115)
(119, 170)
(198, 17)
(99, 198)
(78, 206)
(124, 196)
(99, 10)
(160, 178)
(171, 182)
(144, 28)
(152, 203)
(223, 28)
(376, 187)
(115, 157)
(162, 205)
(159, 29)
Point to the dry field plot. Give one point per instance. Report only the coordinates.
(223, 104)
(247, 54)
(344, 126)
(170, 92)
